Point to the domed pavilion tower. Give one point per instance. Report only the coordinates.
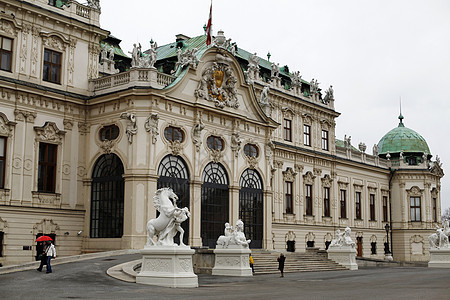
(414, 187)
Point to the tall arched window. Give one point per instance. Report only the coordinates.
(215, 203)
(174, 173)
(251, 206)
(107, 194)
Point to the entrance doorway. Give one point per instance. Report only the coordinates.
(359, 246)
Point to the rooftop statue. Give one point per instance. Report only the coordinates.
(253, 62)
(187, 58)
(329, 95)
(296, 79)
(168, 223)
(343, 239)
(265, 96)
(275, 72)
(440, 238)
(233, 237)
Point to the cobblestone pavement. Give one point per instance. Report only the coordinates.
(87, 279)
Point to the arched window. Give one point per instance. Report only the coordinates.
(251, 204)
(107, 194)
(174, 173)
(215, 203)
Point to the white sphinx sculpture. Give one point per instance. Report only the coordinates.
(232, 252)
(439, 247)
(343, 250)
(165, 263)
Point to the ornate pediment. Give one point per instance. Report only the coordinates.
(8, 27)
(327, 181)
(49, 133)
(289, 174)
(308, 178)
(55, 41)
(415, 191)
(5, 125)
(218, 83)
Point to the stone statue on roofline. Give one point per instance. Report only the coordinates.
(187, 58)
(296, 79)
(95, 4)
(275, 72)
(329, 95)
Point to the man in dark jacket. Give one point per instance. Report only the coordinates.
(281, 260)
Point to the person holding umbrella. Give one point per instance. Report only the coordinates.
(50, 252)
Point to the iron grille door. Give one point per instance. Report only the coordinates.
(251, 207)
(215, 203)
(107, 198)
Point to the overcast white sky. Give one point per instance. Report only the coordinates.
(372, 52)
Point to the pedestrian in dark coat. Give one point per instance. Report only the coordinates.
(281, 260)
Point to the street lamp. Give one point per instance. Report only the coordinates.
(386, 250)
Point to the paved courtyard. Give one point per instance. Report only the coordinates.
(87, 279)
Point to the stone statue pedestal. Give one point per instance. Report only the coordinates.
(439, 258)
(169, 266)
(232, 261)
(345, 256)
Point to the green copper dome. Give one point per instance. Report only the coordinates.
(402, 139)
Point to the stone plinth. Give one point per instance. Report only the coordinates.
(345, 256)
(169, 266)
(439, 258)
(232, 262)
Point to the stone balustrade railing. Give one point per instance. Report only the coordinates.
(135, 77)
(78, 11)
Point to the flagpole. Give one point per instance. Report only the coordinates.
(209, 27)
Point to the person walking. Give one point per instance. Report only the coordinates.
(43, 257)
(50, 251)
(250, 258)
(281, 260)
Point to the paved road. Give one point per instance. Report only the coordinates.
(88, 280)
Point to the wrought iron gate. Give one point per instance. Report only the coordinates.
(215, 203)
(107, 198)
(251, 207)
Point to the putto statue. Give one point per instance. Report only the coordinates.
(440, 238)
(233, 237)
(168, 223)
(343, 239)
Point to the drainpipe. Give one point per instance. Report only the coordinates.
(390, 207)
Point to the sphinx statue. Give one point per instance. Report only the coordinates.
(233, 237)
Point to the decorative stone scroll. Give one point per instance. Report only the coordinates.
(131, 125)
(218, 84)
(151, 125)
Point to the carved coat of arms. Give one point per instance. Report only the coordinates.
(218, 85)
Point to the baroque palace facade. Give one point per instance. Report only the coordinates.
(87, 135)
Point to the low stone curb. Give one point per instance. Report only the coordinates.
(66, 259)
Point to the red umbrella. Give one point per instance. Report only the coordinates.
(43, 238)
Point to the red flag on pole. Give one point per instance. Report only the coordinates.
(209, 27)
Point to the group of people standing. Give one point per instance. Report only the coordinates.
(48, 253)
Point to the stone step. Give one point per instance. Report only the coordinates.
(266, 262)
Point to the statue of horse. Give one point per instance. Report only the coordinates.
(168, 222)
(440, 238)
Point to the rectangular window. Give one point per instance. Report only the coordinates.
(326, 202)
(307, 135)
(324, 140)
(52, 66)
(2, 161)
(47, 167)
(385, 208)
(308, 199)
(343, 205)
(5, 53)
(358, 205)
(372, 207)
(434, 210)
(288, 197)
(287, 130)
(415, 209)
